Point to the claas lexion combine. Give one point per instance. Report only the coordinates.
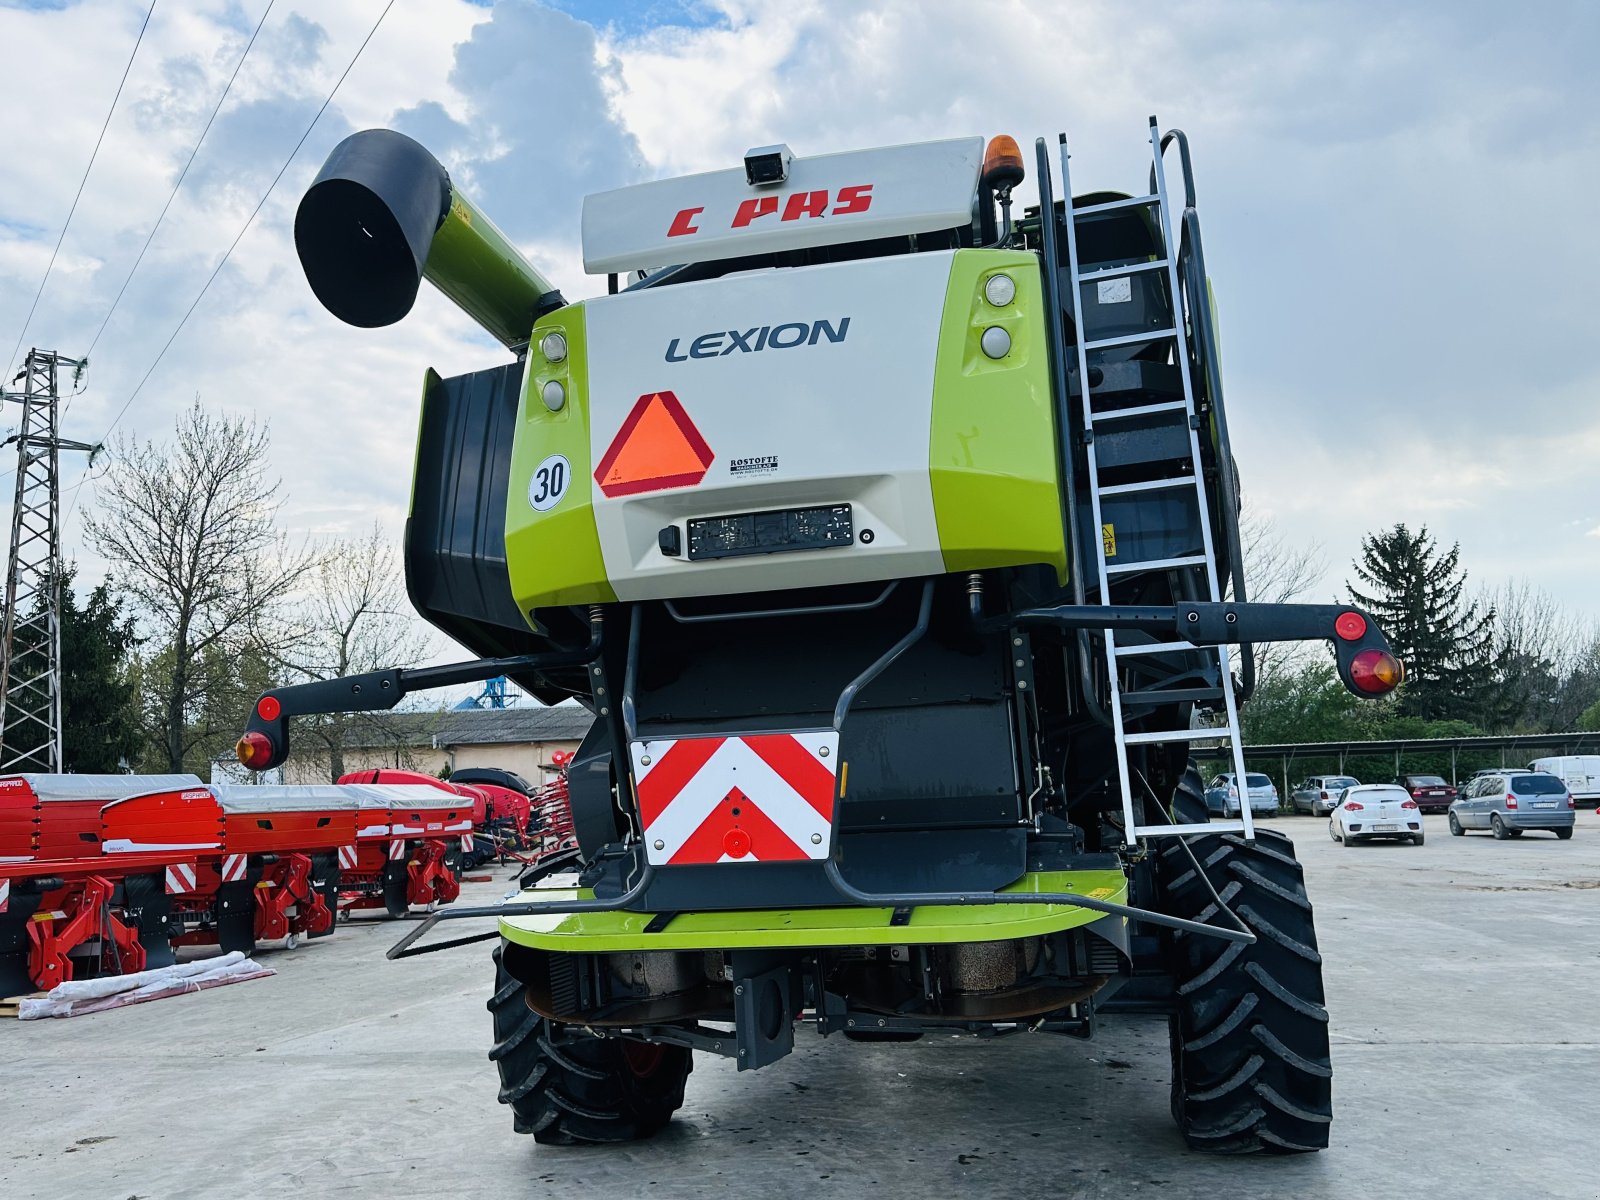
(892, 538)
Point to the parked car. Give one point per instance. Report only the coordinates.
(1376, 810)
(1319, 794)
(1580, 772)
(1509, 803)
(1431, 792)
(1222, 795)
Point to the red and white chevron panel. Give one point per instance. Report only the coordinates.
(5, 894)
(397, 849)
(347, 858)
(466, 843)
(233, 867)
(180, 879)
(764, 797)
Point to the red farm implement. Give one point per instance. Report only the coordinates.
(408, 844)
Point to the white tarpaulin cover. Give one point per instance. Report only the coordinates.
(77, 997)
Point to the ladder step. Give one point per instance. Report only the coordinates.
(1176, 735)
(1141, 410)
(1156, 564)
(1113, 205)
(1131, 339)
(1171, 830)
(1149, 485)
(1095, 273)
(1159, 648)
(1173, 695)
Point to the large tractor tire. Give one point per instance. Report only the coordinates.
(1251, 1070)
(566, 1091)
(1189, 800)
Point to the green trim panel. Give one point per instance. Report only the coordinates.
(554, 556)
(991, 454)
(585, 933)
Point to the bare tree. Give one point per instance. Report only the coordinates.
(1546, 656)
(353, 617)
(1276, 572)
(189, 528)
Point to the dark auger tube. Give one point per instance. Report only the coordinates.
(382, 216)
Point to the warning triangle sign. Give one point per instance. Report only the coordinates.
(657, 448)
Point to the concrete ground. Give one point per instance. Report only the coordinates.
(1462, 978)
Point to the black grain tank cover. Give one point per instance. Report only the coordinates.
(455, 547)
(493, 775)
(364, 227)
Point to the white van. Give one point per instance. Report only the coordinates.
(1581, 772)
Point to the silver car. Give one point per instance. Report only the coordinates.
(1222, 796)
(1319, 794)
(1509, 803)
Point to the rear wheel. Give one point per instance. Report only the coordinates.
(1565, 834)
(1455, 826)
(566, 1090)
(1416, 839)
(1498, 828)
(1250, 1063)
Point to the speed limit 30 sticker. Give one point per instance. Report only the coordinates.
(549, 482)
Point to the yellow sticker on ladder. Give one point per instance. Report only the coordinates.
(1108, 538)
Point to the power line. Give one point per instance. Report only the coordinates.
(217, 270)
(181, 176)
(104, 126)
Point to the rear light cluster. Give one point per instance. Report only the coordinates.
(1376, 672)
(1352, 806)
(1511, 801)
(1408, 804)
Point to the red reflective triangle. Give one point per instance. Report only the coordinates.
(658, 447)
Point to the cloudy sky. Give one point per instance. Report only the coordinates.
(1397, 201)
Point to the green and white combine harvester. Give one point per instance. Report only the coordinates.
(892, 539)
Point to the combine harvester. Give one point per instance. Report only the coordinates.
(894, 544)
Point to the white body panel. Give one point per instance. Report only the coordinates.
(844, 421)
(827, 199)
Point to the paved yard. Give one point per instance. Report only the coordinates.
(1463, 979)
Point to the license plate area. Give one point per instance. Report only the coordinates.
(773, 532)
(737, 798)
(1391, 828)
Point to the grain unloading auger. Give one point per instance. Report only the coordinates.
(887, 538)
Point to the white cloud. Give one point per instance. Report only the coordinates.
(1388, 200)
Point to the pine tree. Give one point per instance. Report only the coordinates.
(1417, 595)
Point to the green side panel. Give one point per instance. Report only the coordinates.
(598, 932)
(992, 453)
(430, 380)
(554, 556)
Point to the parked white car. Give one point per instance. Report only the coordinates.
(1376, 810)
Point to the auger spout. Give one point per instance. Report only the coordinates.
(382, 215)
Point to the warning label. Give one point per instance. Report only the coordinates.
(658, 447)
(1108, 537)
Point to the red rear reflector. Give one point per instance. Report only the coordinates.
(736, 843)
(1351, 626)
(269, 708)
(1376, 672)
